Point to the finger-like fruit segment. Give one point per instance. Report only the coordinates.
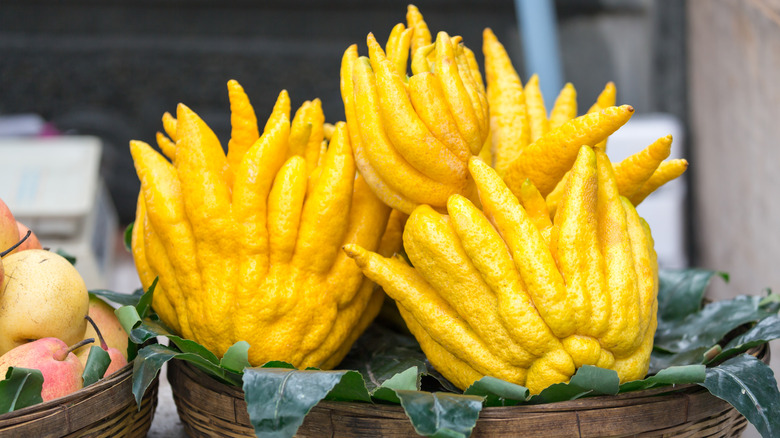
(246, 247)
(487, 295)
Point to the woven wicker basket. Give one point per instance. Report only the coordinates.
(208, 408)
(106, 408)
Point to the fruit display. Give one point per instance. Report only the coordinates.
(44, 312)
(490, 228)
(247, 245)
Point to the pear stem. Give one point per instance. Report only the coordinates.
(16, 245)
(61, 355)
(103, 344)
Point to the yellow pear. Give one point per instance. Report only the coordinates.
(43, 295)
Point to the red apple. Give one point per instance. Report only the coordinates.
(9, 233)
(61, 368)
(31, 242)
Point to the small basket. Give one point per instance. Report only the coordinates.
(208, 408)
(106, 408)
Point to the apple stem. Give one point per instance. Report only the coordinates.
(61, 355)
(103, 344)
(16, 245)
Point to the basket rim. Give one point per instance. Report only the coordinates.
(55, 404)
(594, 402)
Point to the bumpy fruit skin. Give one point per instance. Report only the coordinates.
(413, 137)
(246, 245)
(501, 291)
(526, 144)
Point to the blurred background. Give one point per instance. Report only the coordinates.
(91, 75)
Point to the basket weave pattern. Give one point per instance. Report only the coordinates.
(209, 408)
(106, 408)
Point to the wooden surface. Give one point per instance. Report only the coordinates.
(208, 408)
(734, 99)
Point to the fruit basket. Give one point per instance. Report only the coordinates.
(508, 243)
(104, 409)
(210, 408)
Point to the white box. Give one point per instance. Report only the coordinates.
(52, 185)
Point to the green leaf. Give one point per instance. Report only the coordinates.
(441, 414)
(680, 292)
(151, 359)
(766, 330)
(588, 380)
(380, 353)
(96, 366)
(407, 380)
(498, 392)
(236, 357)
(278, 399)
(145, 302)
(750, 386)
(128, 237)
(118, 297)
(66, 255)
(771, 302)
(707, 327)
(660, 360)
(352, 387)
(20, 388)
(278, 364)
(678, 375)
(131, 321)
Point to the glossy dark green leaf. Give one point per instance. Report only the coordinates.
(407, 380)
(278, 364)
(278, 399)
(131, 321)
(660, 360)
(66, 255)
(588, 380)
(498, 392)
(441, 414)
(750, 386)
(192, 347)
(128, 237)
(680, 292)
(766, 330)
(144, 305)
(771, 302)
(123, 299)
(351, 387)
(236, 358)
(20, 388)
(151, 359)
(677, 375)
(381, 353)
(97, 363)
(707, 327)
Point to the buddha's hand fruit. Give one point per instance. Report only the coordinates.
(505, 292)
(527, 144)
(413, 136)
(246, 245)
